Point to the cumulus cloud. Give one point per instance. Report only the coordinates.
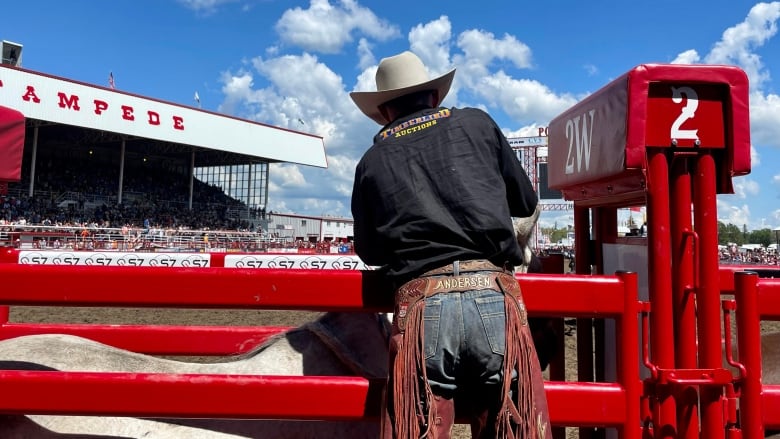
(590, 69)
(738, 43)
(326, 28)
(687, 57)
(282, 87)
(205, 6)
(739, 215)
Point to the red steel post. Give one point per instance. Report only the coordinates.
(683, 295)
(660, 286)
(749, 342)
(628, 369)
(708, 292)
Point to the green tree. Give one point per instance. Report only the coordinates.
(762, 236)
(730, 233)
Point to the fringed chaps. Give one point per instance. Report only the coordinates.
(519, 417)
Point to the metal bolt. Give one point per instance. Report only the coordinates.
(697, 142)
(674, 142)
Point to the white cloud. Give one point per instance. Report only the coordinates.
(281, 88)
(745, 187)
(431, 42)
(738, 42)
(326, 28)
(687, 57)
(755, 157)
(522, 99)
(286, 175)
(365, 57)
(205, 6)
(765, 119)
(731, 214)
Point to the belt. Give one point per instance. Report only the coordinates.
(418, 289)
(458, 267)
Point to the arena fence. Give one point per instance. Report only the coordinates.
(602, 404)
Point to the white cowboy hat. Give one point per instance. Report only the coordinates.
(398, 76)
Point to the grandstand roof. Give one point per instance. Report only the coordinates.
(78, 114)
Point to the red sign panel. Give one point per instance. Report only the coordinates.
(686, 115)
(598, 148)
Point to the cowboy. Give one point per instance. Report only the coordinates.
(433, 202)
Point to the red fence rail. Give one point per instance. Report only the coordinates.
(597, 404)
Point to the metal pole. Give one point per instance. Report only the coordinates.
(749, 344)
(121, 171)
(683, 295)
(708, 292)
(34, 159)
(660, 286)
(192, 179)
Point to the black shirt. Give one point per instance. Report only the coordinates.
(437, 186)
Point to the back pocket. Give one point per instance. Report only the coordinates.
(431, 319)
(491, 310)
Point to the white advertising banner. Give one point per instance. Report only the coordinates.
(313, 262)
(131, 259)
(194, 260)
(52, 99)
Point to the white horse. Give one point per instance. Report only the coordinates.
(336, 344)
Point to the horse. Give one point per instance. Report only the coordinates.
(335, 344)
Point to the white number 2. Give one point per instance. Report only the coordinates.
(687, 112)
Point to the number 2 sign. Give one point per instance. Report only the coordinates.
(686, 115)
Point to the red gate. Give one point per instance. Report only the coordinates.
(670, 137)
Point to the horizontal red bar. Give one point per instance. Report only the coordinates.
(574, 404)
(346, 290)
(769, 299)
(273, 397)
(187, 395)
(157, 339)
(771, 401)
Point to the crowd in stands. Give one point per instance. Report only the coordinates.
(158, 197)
(76, 207)
(732, 254)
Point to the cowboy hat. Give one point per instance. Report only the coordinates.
(398, 76)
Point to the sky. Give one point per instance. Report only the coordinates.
(293, 64)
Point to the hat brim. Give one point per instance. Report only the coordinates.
(369, 101)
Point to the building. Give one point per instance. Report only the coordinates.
(310, 228)
(67, 123)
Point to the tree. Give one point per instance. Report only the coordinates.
(762, 236)
(728, 233)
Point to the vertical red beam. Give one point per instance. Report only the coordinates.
(749, 341)
(683, 297)
(590, 332)
(607, 233)
(582, 262)
(708, 292)
(628, 351)
(660, 286)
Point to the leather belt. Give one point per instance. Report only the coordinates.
(458, 267)
(418, 289)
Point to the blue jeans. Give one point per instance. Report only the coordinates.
(464, 340)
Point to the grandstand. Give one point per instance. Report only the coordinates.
(120, 166)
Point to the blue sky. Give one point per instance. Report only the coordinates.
(524, 62)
